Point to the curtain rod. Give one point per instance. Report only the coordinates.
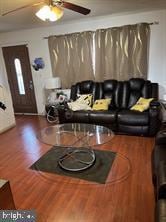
(151, 23)
(154, 23)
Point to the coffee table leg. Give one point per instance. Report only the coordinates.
(72, 156)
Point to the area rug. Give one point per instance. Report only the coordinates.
(98, 172)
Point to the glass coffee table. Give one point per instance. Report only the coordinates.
(78, 146)
(78, 139)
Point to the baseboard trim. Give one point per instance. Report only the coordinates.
(7, 128)
(29, 114)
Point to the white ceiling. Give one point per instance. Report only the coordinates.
(25, 18)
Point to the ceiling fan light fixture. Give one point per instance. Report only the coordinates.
(56, 13)
(50, 13)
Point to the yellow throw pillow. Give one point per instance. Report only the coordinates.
(142, 104)
(85, 99)
(101, 104)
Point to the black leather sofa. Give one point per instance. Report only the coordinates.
(119, 117)
(159, 175)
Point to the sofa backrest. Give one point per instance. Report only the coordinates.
(136, 88)
(124, 94)
(85, 87)
(112, 89)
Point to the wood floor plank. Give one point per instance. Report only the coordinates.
(60, 199)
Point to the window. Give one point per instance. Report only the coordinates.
(19, 76)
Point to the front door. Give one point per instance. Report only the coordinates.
(20, 78)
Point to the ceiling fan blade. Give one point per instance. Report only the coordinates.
(25, 6)
(75, 8)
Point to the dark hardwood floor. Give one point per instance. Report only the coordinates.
(59, 199)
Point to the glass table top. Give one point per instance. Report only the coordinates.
(75, 135)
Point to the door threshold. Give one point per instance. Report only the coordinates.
(27, 114)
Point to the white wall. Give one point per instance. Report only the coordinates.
(7, 119)
(38, 46)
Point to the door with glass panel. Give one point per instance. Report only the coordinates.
(20, 78)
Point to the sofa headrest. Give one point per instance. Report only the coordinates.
(134, 89)
(86, 87)
(136, 84)
(111, 89)
(109, 85)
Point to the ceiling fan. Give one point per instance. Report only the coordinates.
(53, 9)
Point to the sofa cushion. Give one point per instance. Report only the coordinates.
(133, 118)
(80, 116)
(102, 117)
(133, 130)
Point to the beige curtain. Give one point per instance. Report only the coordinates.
(71, 57)
(122, 52)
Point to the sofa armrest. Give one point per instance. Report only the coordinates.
(161, 180)
(161, 138)
(155, 104)
(155, 118)
(160, 212)
(158, 105)
(62, 110)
